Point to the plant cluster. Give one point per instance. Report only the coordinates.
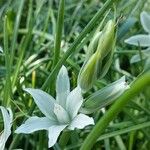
(74, 74)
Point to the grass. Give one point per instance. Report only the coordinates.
(41, 36)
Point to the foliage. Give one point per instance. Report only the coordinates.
(38, 37)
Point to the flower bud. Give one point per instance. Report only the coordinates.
(99, 57)
(89, 73)
(106, 95)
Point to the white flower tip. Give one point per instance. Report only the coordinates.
(127, 86)
(1, 50)
(79, 88)
(27, 90)
(145, 19)
(92, 121)
(63, 70)
(31, 90)
(127, 41)
(124, 83)
(143, 13)
(51, 144)
(17, 131)
(123, 79)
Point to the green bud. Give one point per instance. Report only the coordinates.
(99, 57)
(89, 73)
(93, 45)
(106, 95)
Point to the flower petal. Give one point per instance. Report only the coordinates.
(34, 124)
(44, 101)
(137, 58)
(62, 86)
(74, 102)
(144, 54)
(61, 114)
(139, 40)
(53, 133)
(1, 50)
(7, 117)
(80, 121)
(145, 21)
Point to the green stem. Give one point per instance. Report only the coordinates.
(22, 49)
(90, 26)
(15, 141)
(59, 28)
(17, 23)
(136, 87)
(7, 89)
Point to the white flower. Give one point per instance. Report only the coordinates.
(60, 113)
(7, 117)
(142, 40)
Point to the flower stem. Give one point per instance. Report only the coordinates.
(136, 87)
(59, 29)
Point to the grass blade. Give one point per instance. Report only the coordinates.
(59, 28)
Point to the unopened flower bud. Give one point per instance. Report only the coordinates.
(106, 95)
(99, 57)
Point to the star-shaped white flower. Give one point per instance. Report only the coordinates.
(7, 117)
(142, 40)
(60, 113)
